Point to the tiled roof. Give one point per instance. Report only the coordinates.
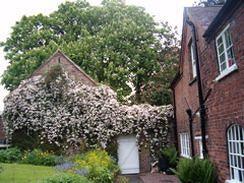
(202, 16)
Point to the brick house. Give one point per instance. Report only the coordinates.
(208, 89)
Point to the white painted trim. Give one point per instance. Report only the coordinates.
(193, 61)
(4, 145)
(232, 181)
(185, 145)
(234, 137)
(200, 137)
(226, 72)
(221, 33)
(228, 69)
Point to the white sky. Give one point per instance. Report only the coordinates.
(13, 10)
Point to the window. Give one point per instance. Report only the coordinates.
(199, 141)
(193, 60)
(226, 59)
(185, 145)
(235, 136)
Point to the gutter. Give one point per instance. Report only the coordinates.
(225, 12)
(202, 108)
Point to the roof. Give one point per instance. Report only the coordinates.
(202, 18)
(226, 12)
(59, 53)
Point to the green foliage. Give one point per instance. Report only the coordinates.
(196, 171)
(31, 140)
(66, 178)
(38, 157)
(101, 168)
(35, 157)
(208, 3)
(112, 148)
(115, 43)
(23, 140)
(172, 155)
(10, 155)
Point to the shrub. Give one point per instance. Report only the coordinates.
(196, 171)
(38, 157)
(66, 178)
(172, 156)
(101, 168)
(10, 155)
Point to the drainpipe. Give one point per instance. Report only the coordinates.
(175, 122)
(202, 109)
(189, 112)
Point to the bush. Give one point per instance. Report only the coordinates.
(37, 157)
(66, 178)
(196, 171)
(97, 165)
(172, 156)
(11, 155)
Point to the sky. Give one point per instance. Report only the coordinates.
(12, 10)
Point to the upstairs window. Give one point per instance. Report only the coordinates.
(235, 136)
(226, 59)
(185, 145)
(193, 60)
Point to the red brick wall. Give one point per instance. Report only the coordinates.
(186, 92)
(144, 160)
(72, 69)
(225, 104)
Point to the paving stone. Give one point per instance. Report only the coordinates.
(158, 178)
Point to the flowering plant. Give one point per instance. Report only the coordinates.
(63, 111)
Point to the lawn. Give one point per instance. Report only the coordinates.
(20, 173)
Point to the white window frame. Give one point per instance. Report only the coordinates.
(236, 153)
(193, 60)
(185, 145)
(199, 139)
(228, 68)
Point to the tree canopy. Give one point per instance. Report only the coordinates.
(209, 2)
(116, 44)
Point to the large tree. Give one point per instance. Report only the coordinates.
(209, 2)
(116, 44)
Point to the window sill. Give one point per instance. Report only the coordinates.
(193, 81)
(226, 73)
(185, 156)
(232, 181)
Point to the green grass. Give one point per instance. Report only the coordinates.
(20, 173)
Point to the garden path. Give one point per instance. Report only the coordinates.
(158, 178)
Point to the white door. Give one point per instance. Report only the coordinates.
(128, 155)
